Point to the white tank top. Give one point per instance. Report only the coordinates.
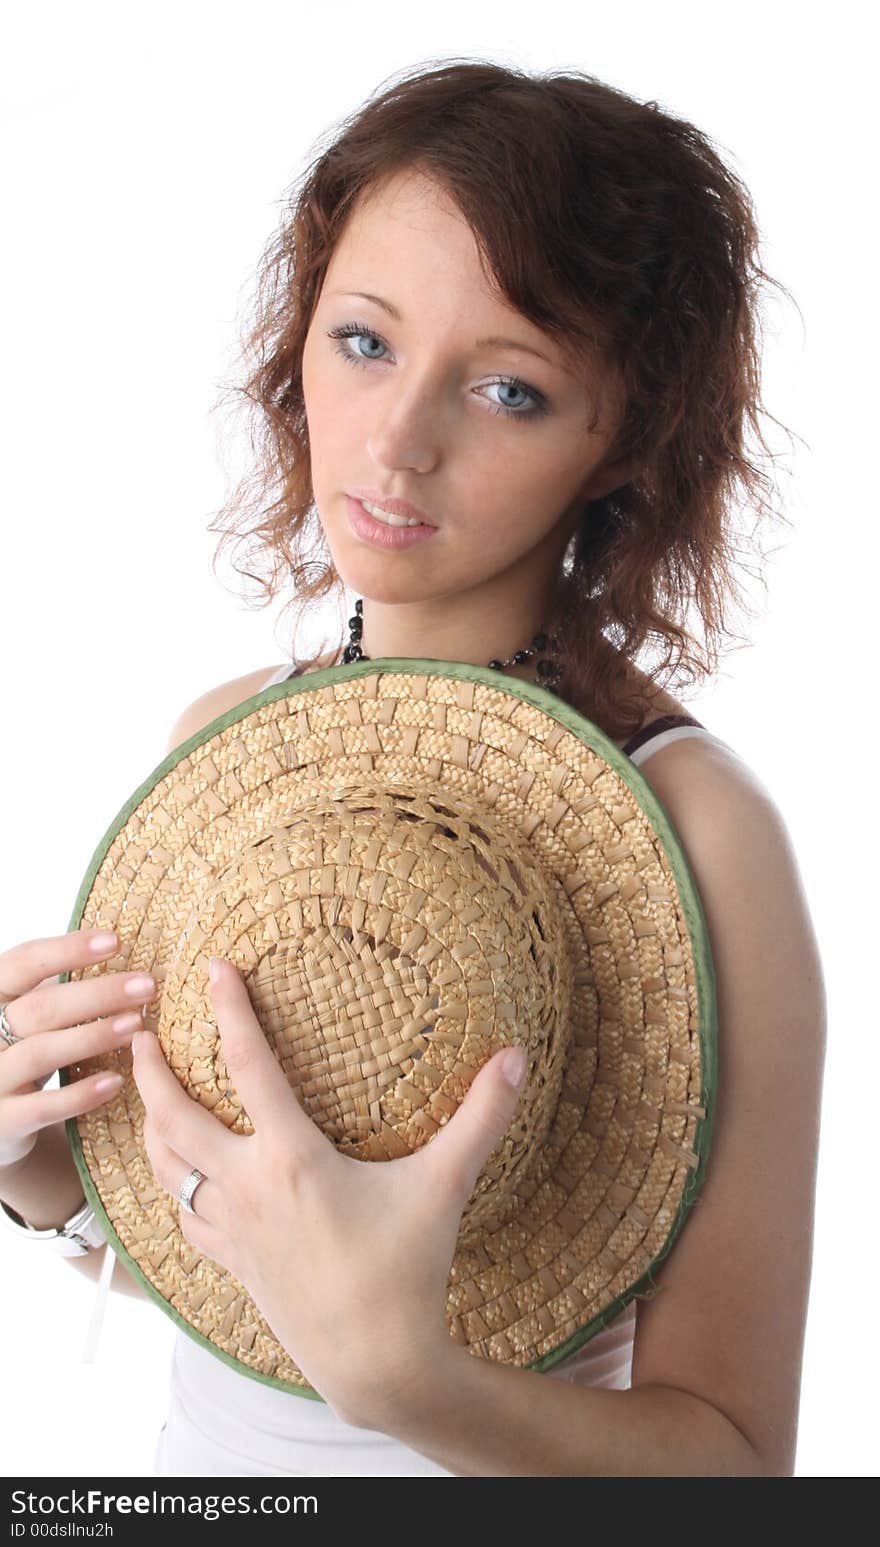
(225, 1424)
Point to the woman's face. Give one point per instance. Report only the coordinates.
(419, 406)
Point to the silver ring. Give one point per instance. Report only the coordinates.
(188, 1187)
(6, 1031)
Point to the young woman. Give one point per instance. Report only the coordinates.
(520, 311)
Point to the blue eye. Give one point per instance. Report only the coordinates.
(354, 330)
(510, 383)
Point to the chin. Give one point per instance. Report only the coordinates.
(371, 576)
(375, 588)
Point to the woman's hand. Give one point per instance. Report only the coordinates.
(59, 1025)
(348, 1260)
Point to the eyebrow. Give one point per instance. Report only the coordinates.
(493, 340)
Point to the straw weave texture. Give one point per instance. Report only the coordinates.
(410, 872)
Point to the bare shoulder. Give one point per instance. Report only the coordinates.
(727, 1321)
(655, 704)
(216, 701)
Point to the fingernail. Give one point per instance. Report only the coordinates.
(102, 942)
(108, 1082)
(513, 1067)
(135, 1042)
(140, 985)
(131, 1021)
(214, 969)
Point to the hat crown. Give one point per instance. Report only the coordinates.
(391, 944)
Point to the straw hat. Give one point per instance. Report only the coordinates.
(413, 863)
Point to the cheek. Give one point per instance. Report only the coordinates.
(320, 396)
(541, 497)
(522, 482)
(515, 519)
(315, 396)
(333, 443)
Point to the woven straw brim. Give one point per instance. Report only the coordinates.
(412, 866)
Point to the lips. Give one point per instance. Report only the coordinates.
(395, 507)
(380, 534)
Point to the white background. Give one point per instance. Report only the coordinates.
(145, 153)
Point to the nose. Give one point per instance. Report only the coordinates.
(405, 434)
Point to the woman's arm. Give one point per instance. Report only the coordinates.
(46, 1189)
(482, 1419)
(718, 1348)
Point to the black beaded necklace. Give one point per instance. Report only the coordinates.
(548, 669)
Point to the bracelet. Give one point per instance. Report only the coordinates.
(79, 1234)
